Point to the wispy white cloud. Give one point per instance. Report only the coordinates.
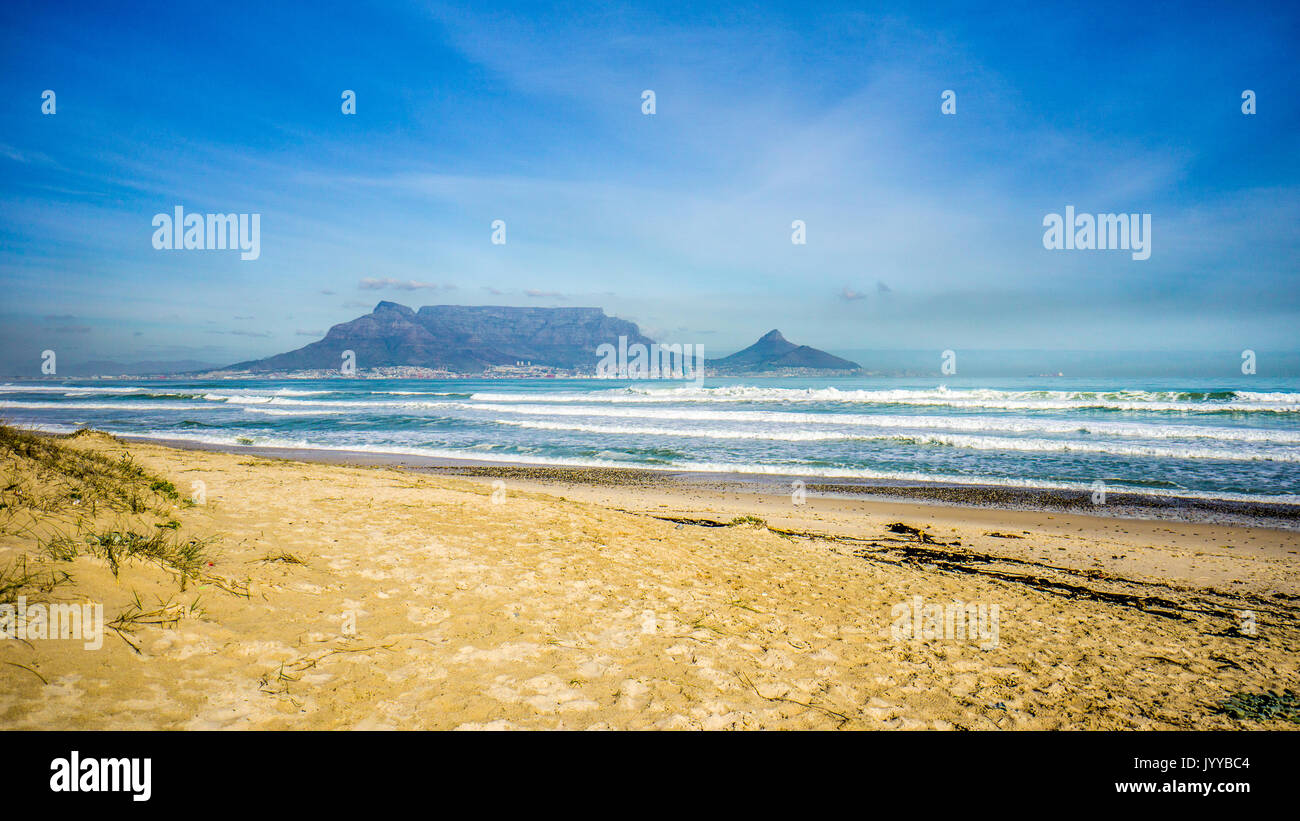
(388, 283)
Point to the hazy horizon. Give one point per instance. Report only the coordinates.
(898, 361)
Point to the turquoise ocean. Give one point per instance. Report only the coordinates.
(1214, 438)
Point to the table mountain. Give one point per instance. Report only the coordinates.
(460, 338)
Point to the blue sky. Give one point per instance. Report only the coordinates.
(924, 230)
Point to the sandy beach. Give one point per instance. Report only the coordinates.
(347, 596)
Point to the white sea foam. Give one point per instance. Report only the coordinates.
(845, 398)
(940, 396)
(999, 443)
(20, 388)
(131, 406)
(1085, 428)
(476, 455)
(295, 412)
(357, 404)
(275, 392)
(738, 428)
(893, 421)
(958, 423)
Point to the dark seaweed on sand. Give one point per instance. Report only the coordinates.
(1270, 706)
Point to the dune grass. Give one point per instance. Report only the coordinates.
(17, 579)
(283, 556)
(70, 501)
(164, 547)
(74, 478)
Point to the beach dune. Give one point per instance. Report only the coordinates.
(326, 596)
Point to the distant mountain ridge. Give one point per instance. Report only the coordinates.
(773, 352)
(472, 338)
(460, 338)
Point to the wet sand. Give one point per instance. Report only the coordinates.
(1114, 503)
